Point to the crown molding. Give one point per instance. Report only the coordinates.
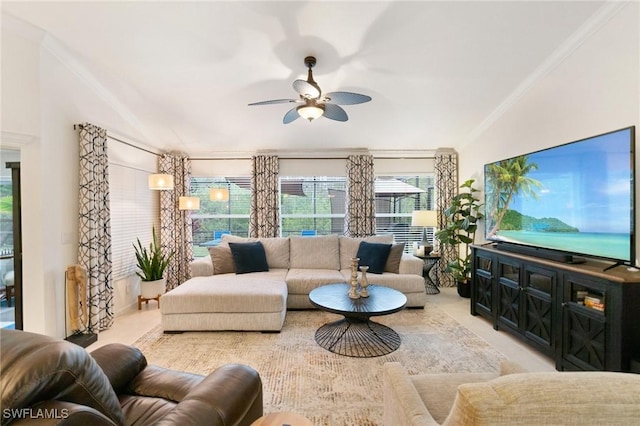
(16, 140)
(583, 33)
(319, 154)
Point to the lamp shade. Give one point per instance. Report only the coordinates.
(160, 181)
(310, 112)
(219, 194)
(189, 203)
(424, 218)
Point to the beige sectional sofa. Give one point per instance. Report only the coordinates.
(217, 299)
(510, 397)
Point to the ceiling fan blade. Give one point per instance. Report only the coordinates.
(275, 101)
(334, 112)
(291, 115)
(346, 98)
(306, 89)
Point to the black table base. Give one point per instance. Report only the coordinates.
(357, 338)
(428, 268)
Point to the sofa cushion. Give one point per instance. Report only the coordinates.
(373, 255)
(277, 251)
(321, 252)
(222, 259)
(349, 247)
(395, 256)
(249, 257)
(405, 283)
(302, 281)
(594, 397)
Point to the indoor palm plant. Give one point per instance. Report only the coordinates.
(151, 263)
(462, 218)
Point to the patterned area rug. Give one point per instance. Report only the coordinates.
(329, 389)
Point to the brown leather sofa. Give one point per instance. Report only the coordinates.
(48, 381)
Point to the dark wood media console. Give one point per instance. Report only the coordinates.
(582, 316)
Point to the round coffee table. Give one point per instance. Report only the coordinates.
(356, 335)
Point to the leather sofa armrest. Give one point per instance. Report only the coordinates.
(160, 382)
(59, 413)
(201, 267)
(232, 394)
(120, 363)
(410, 264)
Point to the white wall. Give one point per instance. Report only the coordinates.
(43, 96)
(594, 90)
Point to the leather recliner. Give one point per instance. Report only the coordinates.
(49, 381)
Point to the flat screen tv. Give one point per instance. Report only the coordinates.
(572, 199)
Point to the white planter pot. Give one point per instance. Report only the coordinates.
(149, 289)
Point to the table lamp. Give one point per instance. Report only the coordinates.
(425, 218)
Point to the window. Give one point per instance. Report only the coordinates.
(396, 198)
(216, 218)
(134, 212)
(309, 205)
(312, 205)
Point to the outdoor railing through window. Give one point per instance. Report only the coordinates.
(396, 199)
(309, 206)
(218, 217)
(312, 205)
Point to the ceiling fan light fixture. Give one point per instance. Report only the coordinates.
(310, 112)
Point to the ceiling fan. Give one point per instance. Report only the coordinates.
(312, 103)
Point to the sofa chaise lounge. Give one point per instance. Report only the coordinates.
(216, 298)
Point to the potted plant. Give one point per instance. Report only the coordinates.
(151, 264)
(462, 218)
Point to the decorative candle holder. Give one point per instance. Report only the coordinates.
(353, 282)
(363, 282)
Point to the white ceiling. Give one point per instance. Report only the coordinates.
(438, 72)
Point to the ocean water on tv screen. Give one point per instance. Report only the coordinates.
(608, 245)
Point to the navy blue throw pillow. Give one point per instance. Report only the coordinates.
(248, 257)
(373, 255)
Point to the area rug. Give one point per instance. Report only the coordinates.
(329, 389)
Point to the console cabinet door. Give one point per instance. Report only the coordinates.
(538, 319)
(584, 323)
(482, 299)
(509, 294)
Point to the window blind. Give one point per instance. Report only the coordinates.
(135, 210)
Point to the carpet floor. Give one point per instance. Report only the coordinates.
(329, 389)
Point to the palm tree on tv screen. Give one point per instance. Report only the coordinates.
(506, 179)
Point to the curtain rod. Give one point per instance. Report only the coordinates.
(80, 126)
(309, 158)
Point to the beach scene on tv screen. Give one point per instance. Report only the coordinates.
(574, 198)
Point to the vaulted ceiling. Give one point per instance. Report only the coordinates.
(438, 72)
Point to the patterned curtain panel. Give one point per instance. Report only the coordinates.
(176, 234)
(446, 167)
(264, 215)
(360, 217)
(94, 249)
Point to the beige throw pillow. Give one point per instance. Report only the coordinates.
(222, 259)
(321, 252)
(393, 261)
